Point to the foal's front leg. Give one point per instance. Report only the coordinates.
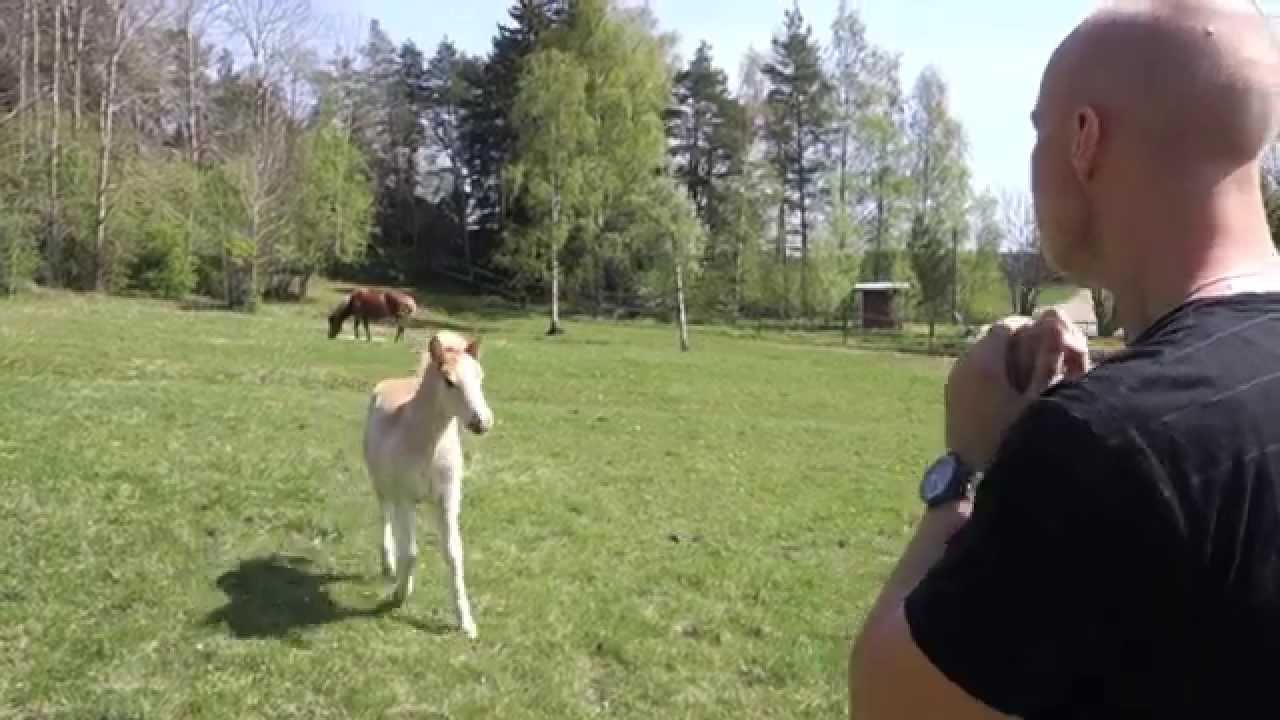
(388, 550)
(448, 506)
(402, 519)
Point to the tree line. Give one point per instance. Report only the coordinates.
(171, 147)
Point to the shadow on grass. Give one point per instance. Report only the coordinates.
(203, 304)
(431, 627)
(273, 596)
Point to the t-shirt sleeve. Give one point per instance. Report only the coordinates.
(1010, 612)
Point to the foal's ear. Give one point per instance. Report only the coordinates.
(473, 348)
(436, 350)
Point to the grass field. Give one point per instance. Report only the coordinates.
(188, 532)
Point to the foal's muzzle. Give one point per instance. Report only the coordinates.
(479, 425)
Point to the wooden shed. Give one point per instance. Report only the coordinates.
(878, 301)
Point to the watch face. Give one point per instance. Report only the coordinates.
(937, 478)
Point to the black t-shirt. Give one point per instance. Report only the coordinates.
(1123, 556)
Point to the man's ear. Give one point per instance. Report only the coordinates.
(473, 348)
(1086, 137)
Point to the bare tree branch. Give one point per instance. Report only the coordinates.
(1025, 269)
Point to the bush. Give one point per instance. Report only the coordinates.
(19, 257)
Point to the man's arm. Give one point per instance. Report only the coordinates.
(961, 611)
(889, 677)
(1002, 612)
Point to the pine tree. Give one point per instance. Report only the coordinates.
(930, 250)
(490, 133)
(800, 115)
(705, 128)
(446, 90)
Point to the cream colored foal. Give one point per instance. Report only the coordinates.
(413, 451)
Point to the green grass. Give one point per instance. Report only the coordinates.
(189, 531)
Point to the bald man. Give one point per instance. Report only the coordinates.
(1121, 556)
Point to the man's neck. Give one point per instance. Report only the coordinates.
(1142, 304)
(1192, 239)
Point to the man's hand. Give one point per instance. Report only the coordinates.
(1004, 372)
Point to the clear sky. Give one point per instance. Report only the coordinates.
(991, 52)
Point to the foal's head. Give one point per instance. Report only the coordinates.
(454, 363)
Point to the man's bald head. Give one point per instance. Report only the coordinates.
(1146, 104)
(1190, 82)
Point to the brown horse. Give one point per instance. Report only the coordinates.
(368, 305)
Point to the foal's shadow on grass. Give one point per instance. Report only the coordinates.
(276, 595)
(273, 596)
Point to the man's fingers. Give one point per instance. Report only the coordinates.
(1075, 361)
(1048, 361)
(1062, 351)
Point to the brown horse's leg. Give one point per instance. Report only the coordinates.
(399, 328)
(368, 334)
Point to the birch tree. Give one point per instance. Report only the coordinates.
(852, 95)
(81, 15)
(129, 19)
(672, 226)
(887, 163)
(937, 144)
(1025, 269)
(272, 31)
(555, 130)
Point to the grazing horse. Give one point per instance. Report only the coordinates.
(413, 452)
(367, 304)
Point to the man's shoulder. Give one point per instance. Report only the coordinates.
(1122, 399)
(1182, 379)
(1195, 354)
(1090, 407)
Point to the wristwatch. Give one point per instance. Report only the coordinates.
(947, 480)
